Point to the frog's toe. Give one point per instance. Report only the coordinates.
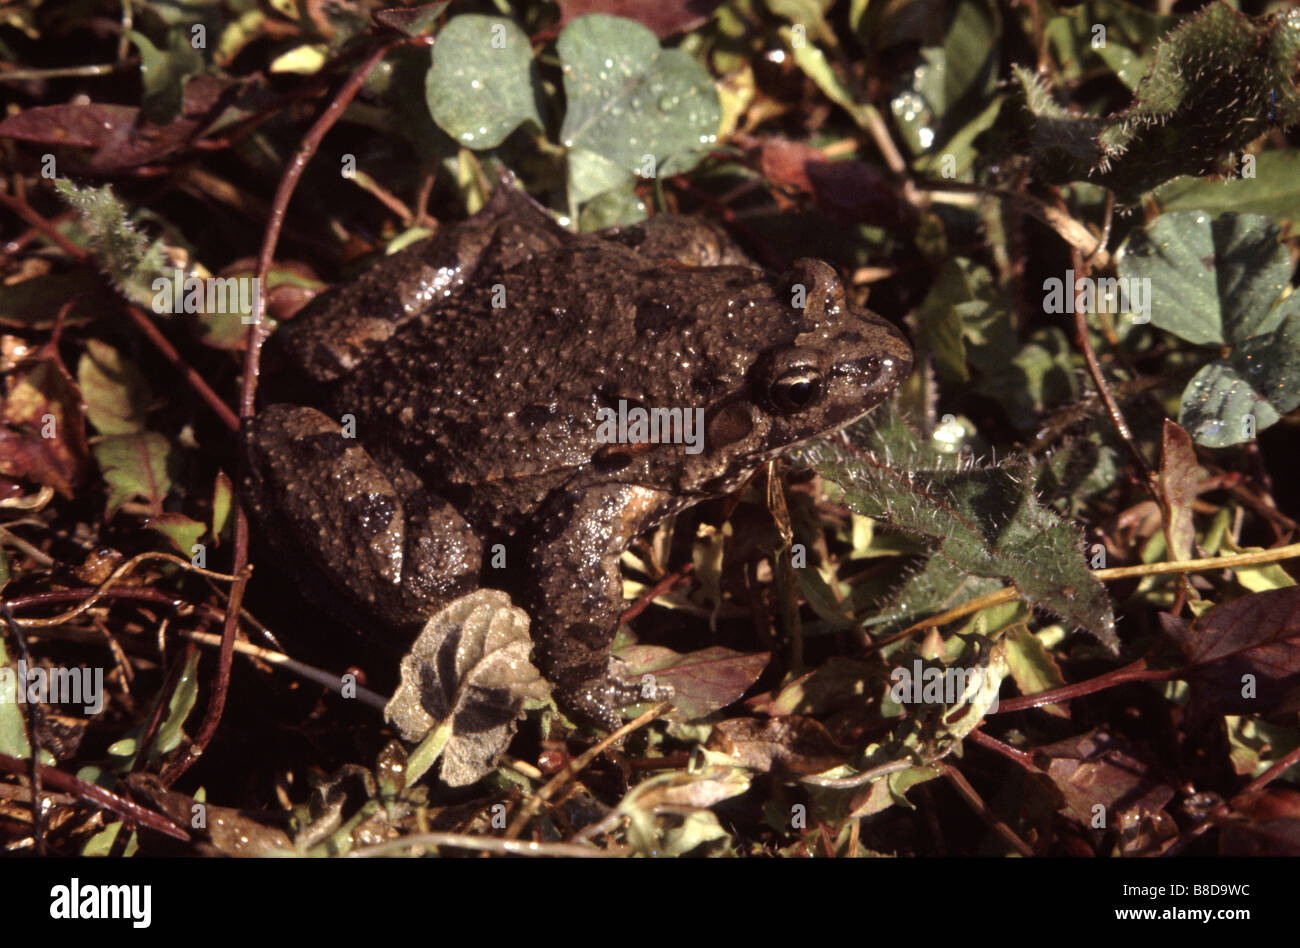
(598, 701)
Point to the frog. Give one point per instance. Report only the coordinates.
(443, 422)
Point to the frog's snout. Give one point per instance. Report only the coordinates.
(896, 359)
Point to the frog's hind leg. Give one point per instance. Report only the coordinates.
(573, 591)
(357, 535)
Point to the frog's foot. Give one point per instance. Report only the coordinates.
(598, 700)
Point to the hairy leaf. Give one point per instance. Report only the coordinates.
(985, 521)
(1216, 82)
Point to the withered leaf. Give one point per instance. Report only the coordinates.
(468, 674)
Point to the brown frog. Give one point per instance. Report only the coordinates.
(458, 422)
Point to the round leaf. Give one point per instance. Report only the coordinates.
(1213, 280)
(629, 99)
(1217, 403)
(482, 84)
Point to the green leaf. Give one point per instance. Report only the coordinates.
(34, 302)
(629, 99)
(165, 72)
(134, 465)
(170, 731)
(1032, 666)
(1274, 191)
(937, 586)
(1213, 280)
(13, 732)
(613, 208)
(483, 82)
(1217, 281)
(1232, 399)
(222, 497)
(180, 530)
(985, 521)
(101, 844)
(591, 176)
(1126, 29)
(965, 63)
(117, 395)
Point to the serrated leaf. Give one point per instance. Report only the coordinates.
(126, 255)
(937, 586)
(627, 98)
(483, 83)
(986, 521)
(464, 683)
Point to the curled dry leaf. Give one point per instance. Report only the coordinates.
(465, 681)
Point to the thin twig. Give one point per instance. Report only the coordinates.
(252, 361)
(97, 795)
(113, 577)
(575, 767)
(1094, 369)
(490, 844)
(196, 381)
(969, 794)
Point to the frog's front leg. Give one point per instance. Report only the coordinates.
(366, 538)
(573, 591)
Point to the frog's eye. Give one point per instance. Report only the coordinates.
(797, 389)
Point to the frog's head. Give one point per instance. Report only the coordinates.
(827, 364)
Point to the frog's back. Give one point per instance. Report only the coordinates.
(499, 388)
